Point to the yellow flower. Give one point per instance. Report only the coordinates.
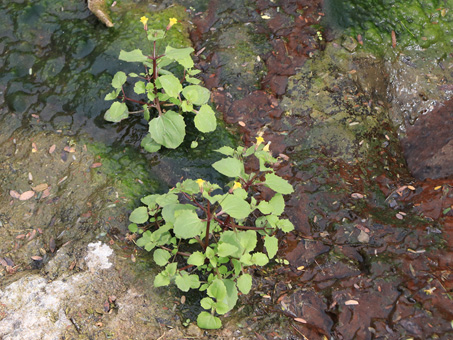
(259, 140)
(200, 183)
(236, 185)
(171, 23)
(144, 20)
(266, 147)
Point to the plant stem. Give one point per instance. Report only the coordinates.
(177, 253)
(155, 75)
(206, 238)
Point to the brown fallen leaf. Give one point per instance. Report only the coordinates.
(95, 165)
(393, 39)
(31, 235)
(300, 320)
(20, 237)
(26, 195)
(69, 149)
(52, 245)
(52, 149)
(359, 39)
(46, 193)
(14, 194)
(40, 187)
(36, 258)
(241, 123)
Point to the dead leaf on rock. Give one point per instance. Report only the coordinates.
(40, 187)
(31, 235)
(26, 195)
(95, 165)
(52, 245)
(14, 194)
(363, 237)
(46, 193)
(351, 303)
(69, 149)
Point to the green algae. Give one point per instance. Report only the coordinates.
(334, 99)
(417, 24)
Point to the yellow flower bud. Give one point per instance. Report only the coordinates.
(266, 147)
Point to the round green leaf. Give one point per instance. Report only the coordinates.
(133, 56)
(119, 79)
(139, 215)
(207, 321)
(285, 225)
(188, 225)
(226, 249)
(236, 207)
(133, 228)
(161, 280)
(231, 295)
(244, 283)
(205, 120)
(229, 166)
(217, 290)
(207, 303)
(161, 257)
(149, 144)
(271, 244)
(171, 85)
(168, 129)
(260, 259)
(196, 94)
(139, 87)
(117, 112)
(154, 35)
(197, 258)
(278, 184)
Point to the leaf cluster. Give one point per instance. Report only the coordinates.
(205, 238)
(164, 98)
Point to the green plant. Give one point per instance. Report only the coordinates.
(159, 92)
(205, 238)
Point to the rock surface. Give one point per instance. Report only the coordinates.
(99, 9)
(428, 145)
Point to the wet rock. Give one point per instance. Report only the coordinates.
(349, 43)
(306, 252)
(428, 145)
(310, 307)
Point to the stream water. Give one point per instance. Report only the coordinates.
(368, 233)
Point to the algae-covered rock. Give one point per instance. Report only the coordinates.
(99, 9)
